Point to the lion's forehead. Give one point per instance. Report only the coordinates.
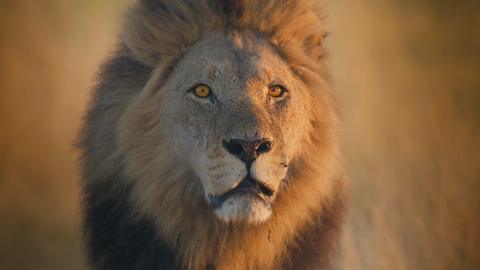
(218, 58)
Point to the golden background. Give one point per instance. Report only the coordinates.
(408, 77)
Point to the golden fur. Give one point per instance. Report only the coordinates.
(157, 34)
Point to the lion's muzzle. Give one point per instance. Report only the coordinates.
(250, 198)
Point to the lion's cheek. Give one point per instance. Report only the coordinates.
(218, 173)
(269, 170)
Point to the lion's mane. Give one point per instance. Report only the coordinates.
(302, 232)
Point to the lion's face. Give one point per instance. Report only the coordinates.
(235, 114)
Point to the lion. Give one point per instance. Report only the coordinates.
(211, 141)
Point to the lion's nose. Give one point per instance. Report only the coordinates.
(248, 151)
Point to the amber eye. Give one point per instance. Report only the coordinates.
(276, 91)
(202, 91)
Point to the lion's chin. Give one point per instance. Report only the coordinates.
(244, 208)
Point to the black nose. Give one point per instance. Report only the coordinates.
(247, 151)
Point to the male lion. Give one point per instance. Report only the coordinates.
(211, 141)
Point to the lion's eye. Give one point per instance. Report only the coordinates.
(276, 91)
(202, 91)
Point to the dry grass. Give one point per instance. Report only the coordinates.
(407, 74)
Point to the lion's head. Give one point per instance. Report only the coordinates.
(214, 116)
(227, 112)
(234, 114)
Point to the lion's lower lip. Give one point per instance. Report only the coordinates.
(247, 186)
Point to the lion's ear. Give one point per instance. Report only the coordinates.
(312, 38)
(139, 40)
(314, 34)
(159, 31)
(314, 46)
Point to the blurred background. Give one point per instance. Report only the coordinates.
(408, 77)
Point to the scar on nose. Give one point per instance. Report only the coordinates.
(234, 79)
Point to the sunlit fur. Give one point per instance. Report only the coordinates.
(159, 148)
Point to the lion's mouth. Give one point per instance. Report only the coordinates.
(248, 186)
